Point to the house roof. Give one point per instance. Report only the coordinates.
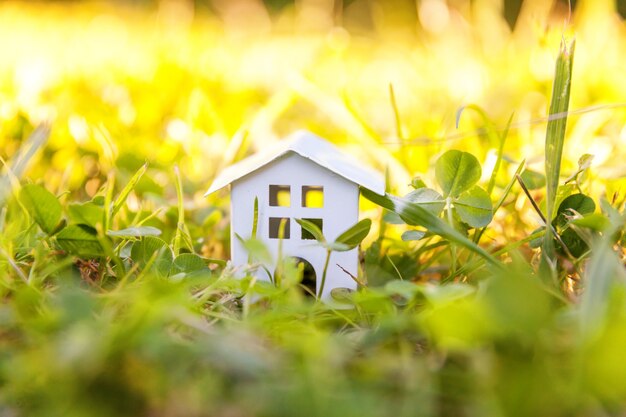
(308, 146)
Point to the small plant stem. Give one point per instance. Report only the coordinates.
(500, 202)
(281, 234)
(356, 279)
(255, 222)
(118, 267)
(321, 291)
(545, 221)
(530, 198)
(13, 265)
(394, 267)
(248, 299)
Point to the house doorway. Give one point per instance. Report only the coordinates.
(309, 279)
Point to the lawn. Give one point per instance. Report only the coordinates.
(117, 294)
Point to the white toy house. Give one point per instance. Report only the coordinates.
(303, 177)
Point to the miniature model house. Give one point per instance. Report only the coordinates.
(303, 177)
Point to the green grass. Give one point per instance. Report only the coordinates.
(117, 298)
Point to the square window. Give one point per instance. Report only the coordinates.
(306, 235)
(280, 195)
(275, 227)
(312, 196)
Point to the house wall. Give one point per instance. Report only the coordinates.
(340, 211)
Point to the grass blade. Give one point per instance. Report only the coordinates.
(415, 215)
(121, 199)
(255, 225)
(182, 238)
(396, 113)
(22, 159)
(555, 137)
(603, 272)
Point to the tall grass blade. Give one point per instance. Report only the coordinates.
(602, 273)
(414, 214)
(396, 113)
(555, 137)
(182, 238)
(255, 225)
(121, 199)
(22, 159)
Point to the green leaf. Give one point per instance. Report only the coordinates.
(354, 235)
(533, 180)
(444, 294)
(313, 229)
(392, 218)
(474, 207)
(594, 221)
(188, 263)
(257, 251)
(155, 252)
(555, 137)
(580, 203)
(611, 213)
(416, 215)
(410, 235)
(575, 244)
(563, 192)
(584, 162)
(42, 206)
(89, 214)
(342, 295)
(536, 242)
(428, 198)
(337, 247)
(139, 231)
(456, 172)
(406, 289)
(80, 240)
(418, 183)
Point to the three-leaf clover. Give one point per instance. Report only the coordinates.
(457, 173)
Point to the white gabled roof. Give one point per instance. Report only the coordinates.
(309, 146)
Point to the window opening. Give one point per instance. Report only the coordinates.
(275, 227)
(312, 196)
(306, 235)
(280, 195)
